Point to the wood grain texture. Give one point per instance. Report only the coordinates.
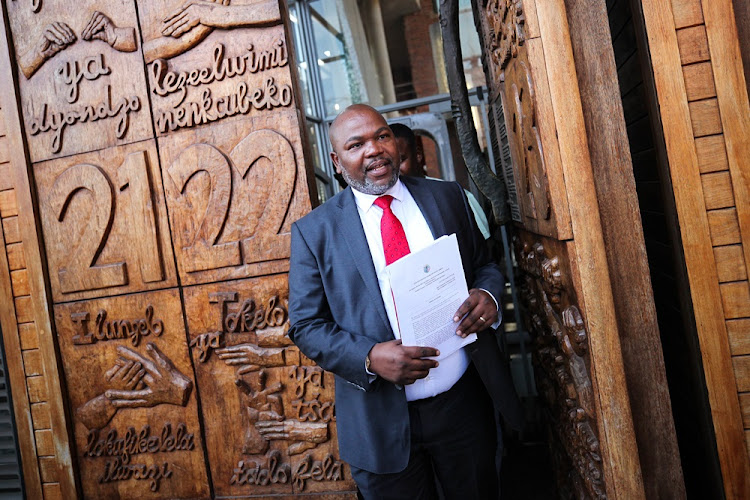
(40, 414)
(683, 161)
(712, 153)
(693, 44)
(16, 378)
(28, 335)
(620, 455)
(739, 336)
(5, 178)
(8, 203)
(734, 105)
(699, 81)
(233, 191)
(87, 91)
(745, 405)
(736, 299)
(725, 229)
(32, 363)
(730, 263)
(101, 340)
(45, 388)
(245, 362)
(705, 118)
(717, 190)
(687, 13)
(10, 229)
(105, 222)
(742, 372)
(625, 248)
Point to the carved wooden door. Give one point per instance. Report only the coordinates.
(166, 151)
(558, 245)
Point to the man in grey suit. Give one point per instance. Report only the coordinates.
(402, 418)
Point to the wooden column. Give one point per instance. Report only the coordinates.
(625, 248)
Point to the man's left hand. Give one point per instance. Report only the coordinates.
(482, 312)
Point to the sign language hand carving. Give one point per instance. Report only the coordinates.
(58, 35)
(136, 382)
(200, 246)
(54, 38)
(101, 27)
(189, 24)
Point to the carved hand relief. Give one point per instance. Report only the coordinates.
(104, 223)
(83, 87)
(276, 407)
(231, 204)
(212, 60)
(561, 360)
(132, 394)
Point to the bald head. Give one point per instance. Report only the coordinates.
(338, 128)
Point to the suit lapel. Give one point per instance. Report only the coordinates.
(352, 232)
(427, 204)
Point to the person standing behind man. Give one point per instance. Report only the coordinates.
(412, 164)
(401, 416)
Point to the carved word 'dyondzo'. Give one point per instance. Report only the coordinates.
(56, 121)
(133, 329)
(167, 82)
(72, 72)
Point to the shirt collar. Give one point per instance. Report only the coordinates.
(365, 201)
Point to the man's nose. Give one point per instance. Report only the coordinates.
(374, 148)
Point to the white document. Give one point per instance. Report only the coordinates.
(428, 288)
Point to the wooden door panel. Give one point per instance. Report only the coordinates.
(105, 223)
(277, 407)
(132, 393)
(233, 191)
(516, 67)
(81, 76)
(560, 247)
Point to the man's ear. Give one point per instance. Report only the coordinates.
(335, 160)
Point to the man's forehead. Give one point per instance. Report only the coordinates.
(356, 118)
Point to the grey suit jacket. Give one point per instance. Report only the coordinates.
(337, 314)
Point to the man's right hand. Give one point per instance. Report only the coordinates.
(401, 364)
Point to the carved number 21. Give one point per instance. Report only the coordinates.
(80, 271)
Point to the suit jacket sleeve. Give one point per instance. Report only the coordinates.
(313, 328)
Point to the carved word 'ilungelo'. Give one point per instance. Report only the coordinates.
(133, 329)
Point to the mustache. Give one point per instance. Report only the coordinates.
(378, 162)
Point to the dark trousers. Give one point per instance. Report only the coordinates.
(453, 439)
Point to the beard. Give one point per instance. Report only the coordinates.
(367, 185)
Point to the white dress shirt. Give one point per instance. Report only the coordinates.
(418, 235)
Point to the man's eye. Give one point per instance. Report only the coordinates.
(355, 145)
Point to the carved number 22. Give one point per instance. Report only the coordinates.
(80, 271)
(203, 250)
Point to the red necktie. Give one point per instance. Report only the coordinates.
(392, 232)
